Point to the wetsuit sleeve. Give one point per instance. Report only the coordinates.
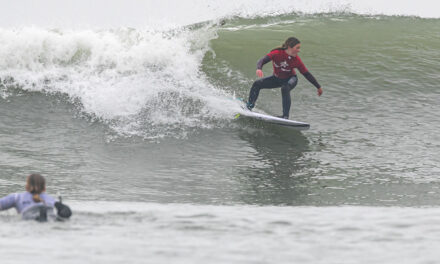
(263, 61)
(301, 67)
(63, 210)
(311, 79)
(8, 201)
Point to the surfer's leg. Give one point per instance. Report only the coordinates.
(268, 82)
(285, 93)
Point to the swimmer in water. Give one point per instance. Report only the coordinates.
(35, 204)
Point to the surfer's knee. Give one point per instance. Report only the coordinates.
(292, 82)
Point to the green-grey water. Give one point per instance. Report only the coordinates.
(145, 147)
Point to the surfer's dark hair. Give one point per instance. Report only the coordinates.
(35, 184)
(290, 42)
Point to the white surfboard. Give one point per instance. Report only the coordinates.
(297, 125)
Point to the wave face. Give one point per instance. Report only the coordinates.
(87, 93)
(172, 74)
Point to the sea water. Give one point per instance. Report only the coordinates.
(125, 107)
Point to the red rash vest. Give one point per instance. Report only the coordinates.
(284, 65)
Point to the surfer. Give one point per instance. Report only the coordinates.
(284, 59)
(35, 204)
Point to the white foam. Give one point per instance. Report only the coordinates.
(127, 77)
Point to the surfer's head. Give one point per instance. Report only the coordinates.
(290, 43)
(292, 46)
(35, 184)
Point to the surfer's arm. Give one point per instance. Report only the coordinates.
(7, 202)
(313, 81)
(63, 210)
(262, 61)
(304, 71)
(260, 64)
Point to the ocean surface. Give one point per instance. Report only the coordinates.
(130, 118)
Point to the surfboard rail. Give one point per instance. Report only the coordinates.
(293, 124)
(298, 125)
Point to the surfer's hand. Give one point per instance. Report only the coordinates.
(259, 73)
(319, 91)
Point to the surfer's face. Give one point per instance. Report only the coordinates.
(293, 51)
